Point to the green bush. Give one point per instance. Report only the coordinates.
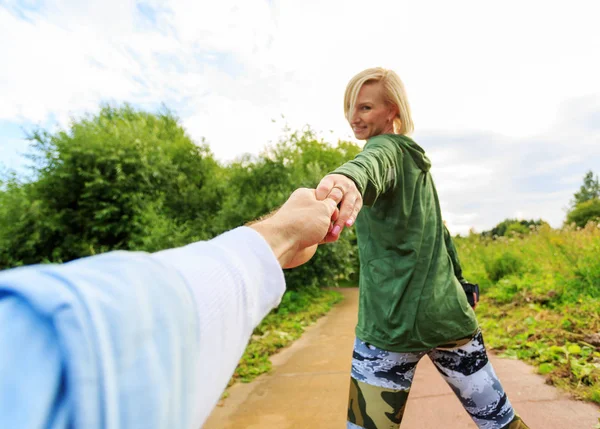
(504, 265)
(516, 229)
(584, 212)
(95, 184)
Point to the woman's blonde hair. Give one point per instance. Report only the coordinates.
(394, 93)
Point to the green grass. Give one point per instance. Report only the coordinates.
(298, 310)
(553, 341)
(541, 301)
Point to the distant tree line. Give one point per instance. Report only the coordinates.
(584, 207)
(509, 226)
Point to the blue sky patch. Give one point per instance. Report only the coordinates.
(23, 8)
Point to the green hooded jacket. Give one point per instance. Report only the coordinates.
(410, 299)
(453, 255)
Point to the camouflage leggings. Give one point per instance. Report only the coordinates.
(381, 382)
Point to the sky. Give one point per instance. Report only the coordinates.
(505, 95)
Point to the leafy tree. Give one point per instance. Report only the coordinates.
(589, 190)
(585, 205)
(103, 185)
(19, 217)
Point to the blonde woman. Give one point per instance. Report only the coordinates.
(411, 304)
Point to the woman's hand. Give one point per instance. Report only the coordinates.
(343, 191)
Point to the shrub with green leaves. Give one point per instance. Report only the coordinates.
(505, 264)
(95, 183)
(584, 212)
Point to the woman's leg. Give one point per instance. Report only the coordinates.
(465, 367)
(379, 386)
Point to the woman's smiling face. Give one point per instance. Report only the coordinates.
(372, 115)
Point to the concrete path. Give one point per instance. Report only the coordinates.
(308, 388)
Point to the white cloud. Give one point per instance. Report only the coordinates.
(485, 179)
(502, 94)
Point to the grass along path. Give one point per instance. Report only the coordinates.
(541, 301)
(562, 345)
(298, 309)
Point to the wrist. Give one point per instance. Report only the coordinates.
(282, 244)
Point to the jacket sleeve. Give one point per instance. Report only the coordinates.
(376, 169)
(453, 254)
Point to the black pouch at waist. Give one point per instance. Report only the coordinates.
(472, 292)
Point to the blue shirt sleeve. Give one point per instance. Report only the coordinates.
(129, 339)
(32, 393)
(102, 342)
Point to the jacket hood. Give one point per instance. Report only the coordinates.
(413, 149)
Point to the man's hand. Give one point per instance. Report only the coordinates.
(295, 230)
(342, 190)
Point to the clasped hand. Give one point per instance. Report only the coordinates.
(310, 217)
(344, 192)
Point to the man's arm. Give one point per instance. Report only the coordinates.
(245, 282)
(30, 369)
(146, 340)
